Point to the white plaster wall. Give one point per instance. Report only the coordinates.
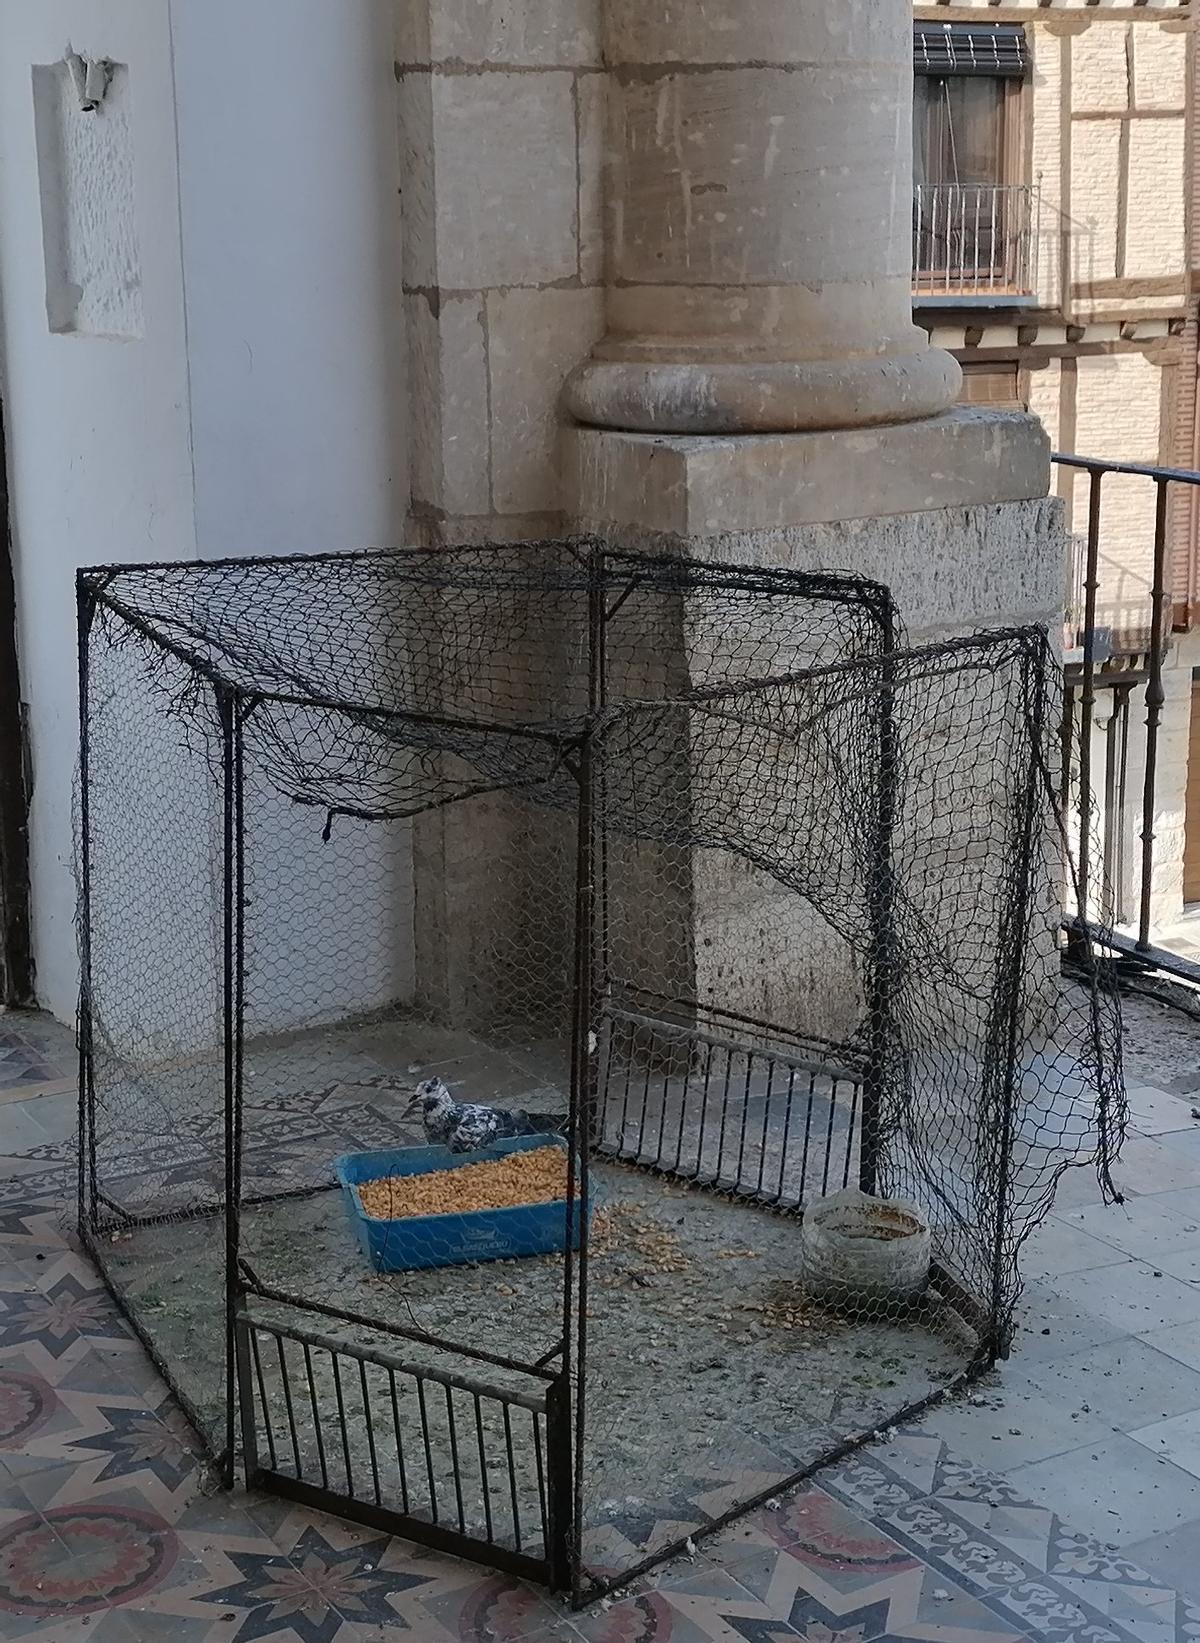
(259, 409)
(289, 176)
(98, 428)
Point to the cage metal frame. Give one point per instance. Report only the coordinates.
(559, 1411)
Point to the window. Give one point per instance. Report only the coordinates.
(973, 215)
(997, 386)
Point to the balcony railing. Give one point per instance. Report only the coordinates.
(1122, 803)
(974, 240)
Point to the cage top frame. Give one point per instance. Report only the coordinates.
(578, 564)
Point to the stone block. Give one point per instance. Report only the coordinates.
(535, 338)
(967, 540)
(767, 31)
(418, 198)
(592, 99)
(521, 33)
(412, 31)
(754, 202)
(702, 485)
(507, 183)
(448, 399)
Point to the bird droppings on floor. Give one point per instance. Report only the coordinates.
(707, 1367)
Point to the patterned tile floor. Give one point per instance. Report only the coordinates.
(110, 1528)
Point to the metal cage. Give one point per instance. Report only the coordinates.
(689, 869)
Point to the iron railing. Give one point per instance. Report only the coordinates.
(973, 239)
(1116, 654)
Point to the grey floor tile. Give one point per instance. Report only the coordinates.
(1177, 1438)
(1180, 1341)
(1152, 1167)
(1117, 1491)
(1061, 1244)
(1172, 1558)
(1051, 1325)
(1159, 1112)
(1127, 1384)
(1021, 1421)
(1181, 1201)
(1140, 1227)
(1134, 1298)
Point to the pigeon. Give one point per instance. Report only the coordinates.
(465, 1126)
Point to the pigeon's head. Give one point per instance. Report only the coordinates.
(431, 1095)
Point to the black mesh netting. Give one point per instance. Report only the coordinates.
(573, 1039)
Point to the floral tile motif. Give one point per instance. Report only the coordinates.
(56, 1311)
(73, 1560)
(319, 1594)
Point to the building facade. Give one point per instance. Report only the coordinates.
(1055, 255)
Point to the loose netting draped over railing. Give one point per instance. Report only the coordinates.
(507, 974)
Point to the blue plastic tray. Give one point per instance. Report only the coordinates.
(416, 1241)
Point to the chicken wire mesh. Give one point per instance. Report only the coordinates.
(571, 1040)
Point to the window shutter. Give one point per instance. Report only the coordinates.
(998, 386)
(968, 48)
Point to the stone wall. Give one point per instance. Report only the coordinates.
(501, 113)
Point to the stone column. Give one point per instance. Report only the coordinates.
(759, 211)
(762, 396)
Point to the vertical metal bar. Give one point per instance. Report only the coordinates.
(919, 238)
(962, 235)
(1112, 815)
(883, 958)
(724, 1114)
(933, 241)
(746, 1082)
(366, 1403)
(433, 1505)
(787, 1134)
(249, 1334)
(762, 1157)
(1091, 584)
(485, 1483)
(562, 1552)
(312, 1398)
(1002, 236)
(1124, 701)
(829, 1148)
(808, 1118)
(246, 1400)
(849, 1131)
(662, 1115)
(978, 207)
(539, 1461)
(512, 1476)
(228, 714)
(708, 1056)
(641, 1134)
(455, 1465)
(85, 610)
(1014, 936)
(345, 1431)
(399, 1443)
(1155, 697)
(285, 1378)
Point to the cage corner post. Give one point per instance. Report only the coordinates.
(1015, 931)
(231, 710)
(86, 596)
(883, 959)
(571, 1400)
